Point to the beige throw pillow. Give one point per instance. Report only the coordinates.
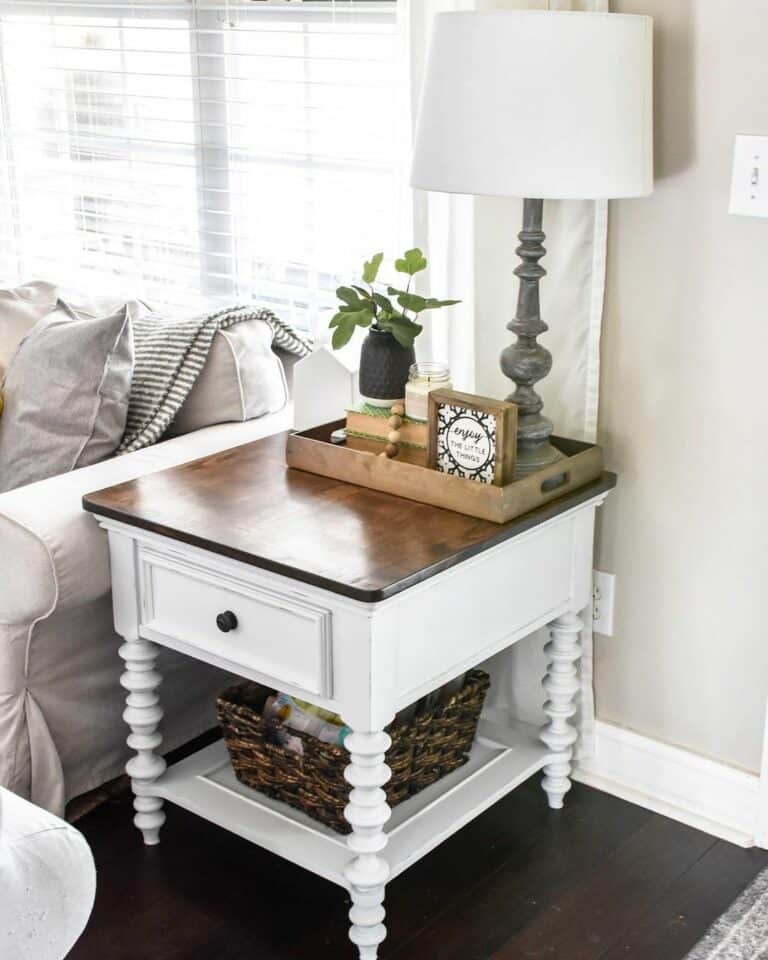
(20, 309)
(66, 395)
(243, 378)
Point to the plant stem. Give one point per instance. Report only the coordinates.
(375, 322)
(407, 290)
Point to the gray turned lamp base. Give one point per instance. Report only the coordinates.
(529, 460)
(525, 361)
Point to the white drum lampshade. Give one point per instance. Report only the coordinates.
(531, 103)
(542, 105)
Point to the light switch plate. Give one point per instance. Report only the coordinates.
(749, 185)
(602, 602)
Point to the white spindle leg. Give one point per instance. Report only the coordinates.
(367, 812)
(561, 685)
(143, 714)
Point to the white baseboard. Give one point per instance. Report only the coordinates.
(761, 831)
(701, 793)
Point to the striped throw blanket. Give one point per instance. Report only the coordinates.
(169, 355)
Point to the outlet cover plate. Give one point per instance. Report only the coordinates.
(602, 602)
(749, 185)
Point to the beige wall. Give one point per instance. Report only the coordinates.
(684, 403)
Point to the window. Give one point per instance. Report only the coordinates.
(193, 153)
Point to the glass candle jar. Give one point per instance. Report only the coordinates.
(422, 378)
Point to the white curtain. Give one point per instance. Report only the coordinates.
(471, 244)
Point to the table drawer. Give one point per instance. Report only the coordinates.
(276, 636)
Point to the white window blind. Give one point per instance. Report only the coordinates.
(196, 152)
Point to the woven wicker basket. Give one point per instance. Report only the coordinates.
(430, 746)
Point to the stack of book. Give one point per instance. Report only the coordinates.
(367, 430)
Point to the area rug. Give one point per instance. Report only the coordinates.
(742, 931)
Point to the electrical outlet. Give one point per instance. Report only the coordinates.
(749, 185)
(602, 602)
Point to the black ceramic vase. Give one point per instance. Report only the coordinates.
(384, 366)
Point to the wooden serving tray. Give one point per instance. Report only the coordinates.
(312, 450)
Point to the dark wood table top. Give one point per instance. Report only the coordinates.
(246, 504)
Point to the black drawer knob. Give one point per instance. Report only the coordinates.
(226, 621)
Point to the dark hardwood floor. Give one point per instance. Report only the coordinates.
(600, 880)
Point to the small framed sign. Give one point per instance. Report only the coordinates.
(472, 437)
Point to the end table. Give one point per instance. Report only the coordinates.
(361, 603)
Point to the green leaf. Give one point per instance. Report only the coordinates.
(348, 317)
(343, 333)
(404, 330)
(432, 304)
(350, 297)
(404, 337)
(412, 262)
(412, 301)
(371, 267)
(365, 294)
(383, 302)
(361, 318)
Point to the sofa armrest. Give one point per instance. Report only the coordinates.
(56, 556)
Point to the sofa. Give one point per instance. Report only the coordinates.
(61, 704)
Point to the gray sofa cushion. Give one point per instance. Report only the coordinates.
(66, 395)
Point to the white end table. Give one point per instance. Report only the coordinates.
(359, 602)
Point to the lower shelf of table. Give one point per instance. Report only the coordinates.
(504, 755)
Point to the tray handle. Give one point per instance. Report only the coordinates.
(554, 483)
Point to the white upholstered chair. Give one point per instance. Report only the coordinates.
(47, 879)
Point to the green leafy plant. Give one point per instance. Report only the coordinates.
(366, 306)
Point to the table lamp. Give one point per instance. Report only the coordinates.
(539, 105)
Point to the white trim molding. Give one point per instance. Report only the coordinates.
(702, 793)
(761, 835)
